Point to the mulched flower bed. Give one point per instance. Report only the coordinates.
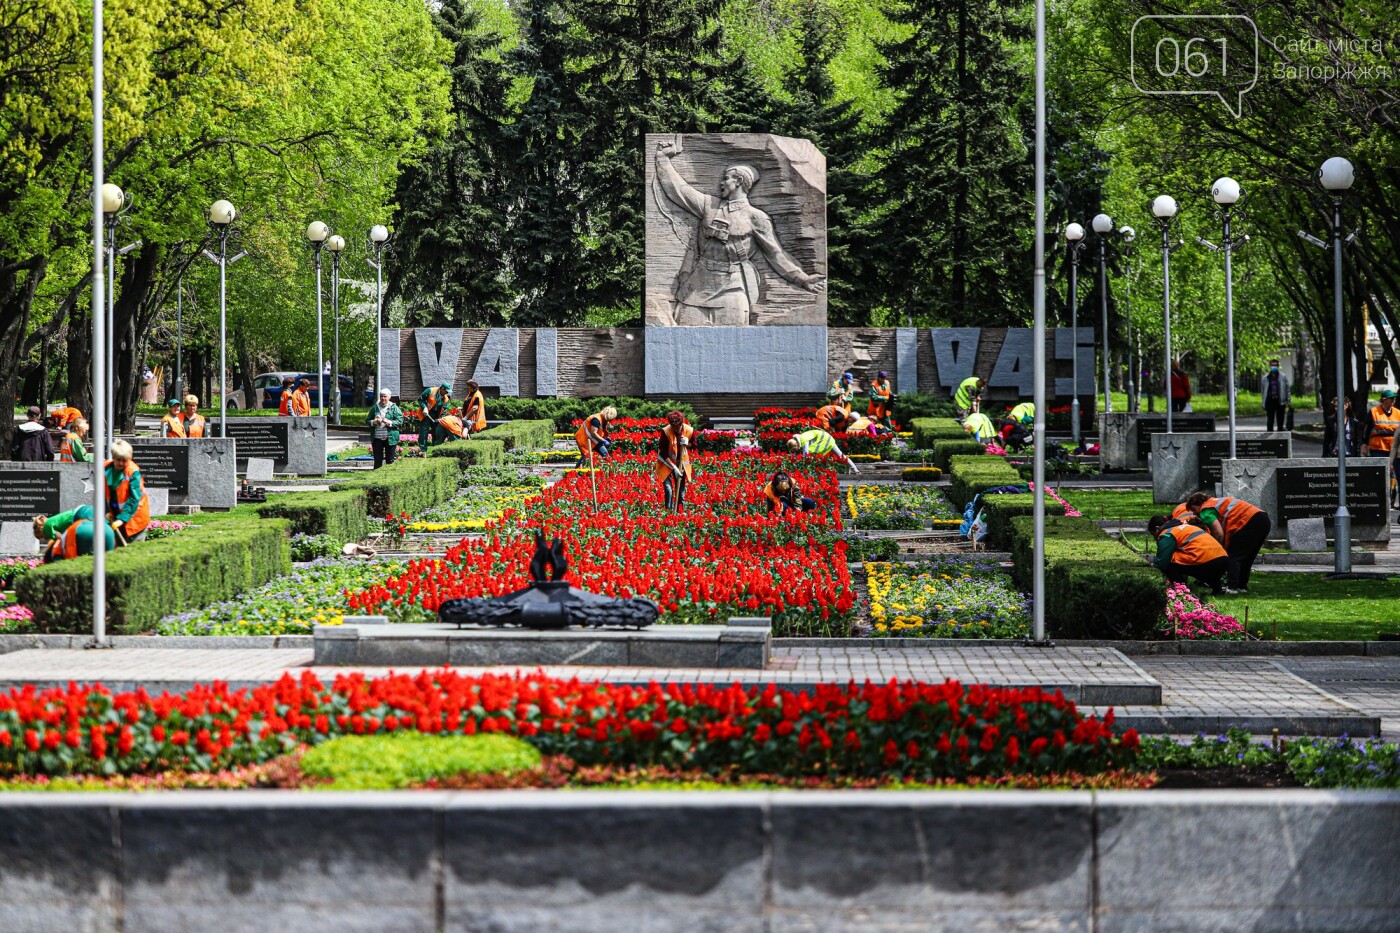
(945, 598)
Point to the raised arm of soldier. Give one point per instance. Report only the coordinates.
(781, 262)
(677, 188)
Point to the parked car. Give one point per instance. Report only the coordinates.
(261, 384)
(272, 394)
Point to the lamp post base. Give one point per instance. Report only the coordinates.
(1342, 549)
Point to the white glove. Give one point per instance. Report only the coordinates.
(855, 469)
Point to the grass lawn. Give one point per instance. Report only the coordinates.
(1247, 404)
(1125, 504)
(1307, 607)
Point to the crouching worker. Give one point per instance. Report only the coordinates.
(782, 494)
(980, 427)
(69, 534)
(673, 460)
(818, 442)
(128, 506)
(1242, 528)
(592, 436)
(1185, 549)
(1016, 429)
(452, 427)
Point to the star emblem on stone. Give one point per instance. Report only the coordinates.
(88, 485)
(1249, 472)
(1171, 450)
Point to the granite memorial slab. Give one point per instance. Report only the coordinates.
(1306, 487)
(1307, 534)
(1185, 462)
(29, 489)
(1125, 438)
(17, 539)
(157, 501)
(294, 445)
(198, 471)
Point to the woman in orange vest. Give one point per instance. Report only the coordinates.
(128, 508)
(593, 435)
(880, 394)
(70, 534)
(831, 418)
(1186, 549)
(63, 417)
(171, 424)
(453, 425)
(475, 413)
(1242, 528)
(193, 420)
(673, 460)
(72, 449)
(782, 494)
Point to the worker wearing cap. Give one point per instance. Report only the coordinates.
(842, 391)
(69, 534)
(819, 443)
(967, 398)
(1381, 425)
(171, 424)
(435, 402)
(1185, 549)
(881, 397)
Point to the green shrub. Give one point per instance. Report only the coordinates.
(529, 435)
(564, 411)
(928, 430)
(341, 514)
(972, 474)
(915, 405)
(944, 451)
(405, 486)
(215, 560)
(921, 474)
(1004, 506)
(472, 453)
(388, 762)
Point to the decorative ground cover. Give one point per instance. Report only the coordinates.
(723, 556)
(292, 605)
(909, 730)
(945, 598)
(471, 508)
(883, 506)
(639, 436)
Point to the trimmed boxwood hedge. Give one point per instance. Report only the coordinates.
(921, 474)
(406, 485)
(1004, 506)
(928, 430)
(217, 559)
(341, 513)
(472, 453)
(1095, 587)
(525, 435)
(944, 451)
(972, 474)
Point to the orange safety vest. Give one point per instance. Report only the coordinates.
(431, 402)
(670, 446)
(300, 403)
(826, 413)
(194, 427)
(1181, 511)
(65, 450)
(65, 546)
(772, 496)
(116, 499)
(879, 398)
(476, 411)
(66, 416)
(584, 442)
(1382, 442)
(175, 425)
(1194, 546)
(452, 424)
(1234, 514)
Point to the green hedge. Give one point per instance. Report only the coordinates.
(1095, 587)
(915, 405)
(341, 513)
(972, 474)
(521, 435)
(564, 411)
(1001, 508)
(944, 451)
(921, 474)
(215, 560)
(406, 485)
(472, 453)
(928, 430)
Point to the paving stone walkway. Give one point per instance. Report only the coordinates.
(1315, 695)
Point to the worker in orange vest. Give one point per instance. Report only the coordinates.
(69, 533)
(1382, 424)
(832, 418)
(300, 403)
(673, 461)
(284, 401)
(592, 436)
(1186, 549)
(72, 449)
(65, 416)
(171, 424)
(1240, 527)
(193, 420)
(474, 415)
(451, 424)
(128, 507)
(781, 494)
(881, 395)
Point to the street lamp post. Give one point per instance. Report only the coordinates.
(1129, 234)
(221, 217)
(1336, 176)
(1103, 227)
(1074, 234)
(1038, 310)
(1226, 192)
(335, 244)
(99, 375)
(379, 242)
(115, 204)
(1164, 209)
(317, 233)
(180, 336)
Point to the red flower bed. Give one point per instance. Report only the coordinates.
(909, 730)
(769, 440)
(763, 415)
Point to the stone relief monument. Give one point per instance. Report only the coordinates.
(751, 252)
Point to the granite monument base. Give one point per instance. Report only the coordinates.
(194, 471)
(737, 645)
(1184, 463)
(29, 489)
(1306, 487)
(295, 445)
(1125, 438)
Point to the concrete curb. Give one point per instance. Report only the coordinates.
(719, 860)
(10, 643)
(1230, 649)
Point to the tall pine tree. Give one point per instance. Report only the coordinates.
(954, 183)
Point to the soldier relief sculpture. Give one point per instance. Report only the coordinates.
(706, 253)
